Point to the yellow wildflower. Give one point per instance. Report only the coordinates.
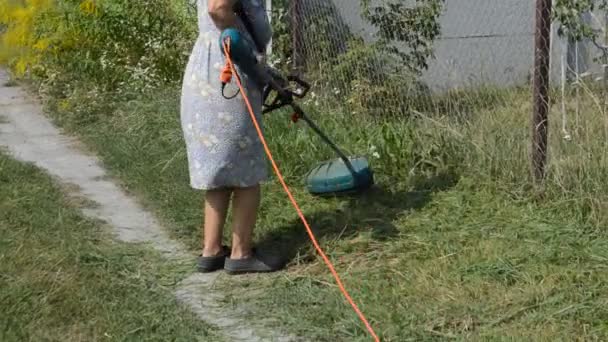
(42, 44)
(88, 7)
(64, 105)
(21, 67)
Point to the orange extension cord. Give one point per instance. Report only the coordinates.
(230, 68)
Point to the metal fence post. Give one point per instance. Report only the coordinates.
(542, 55)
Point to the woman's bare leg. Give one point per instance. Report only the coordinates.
(245, 205)
(244, 258)
(216, 209)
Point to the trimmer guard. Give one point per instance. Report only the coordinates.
(334, 177)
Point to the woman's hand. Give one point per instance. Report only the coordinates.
(222, 13)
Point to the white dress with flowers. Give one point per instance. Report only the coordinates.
(223, 147)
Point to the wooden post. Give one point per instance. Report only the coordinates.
(542, 59)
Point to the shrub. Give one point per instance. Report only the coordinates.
(406, 31)
(20, 45)
(110, 43)
(379, 77)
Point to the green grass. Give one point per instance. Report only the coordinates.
(455, 242)
(62, 278)
(467, 263)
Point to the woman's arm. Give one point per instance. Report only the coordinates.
(222, 13)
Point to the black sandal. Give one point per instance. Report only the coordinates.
(254, 264)
(214, 263)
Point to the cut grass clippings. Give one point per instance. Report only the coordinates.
(62, 278)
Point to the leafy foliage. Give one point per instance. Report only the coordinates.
(568, 14)
(108, 42)
(361, 75)
(405, 29)
(20, 45)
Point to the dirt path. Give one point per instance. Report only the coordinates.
(29, 136)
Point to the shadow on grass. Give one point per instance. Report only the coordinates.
(374, 210)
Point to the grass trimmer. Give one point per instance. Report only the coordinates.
(337, 176)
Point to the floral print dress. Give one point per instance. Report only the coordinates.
(223, 147)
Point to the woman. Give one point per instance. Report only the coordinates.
(225, 156)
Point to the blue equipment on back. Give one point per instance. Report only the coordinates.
(242, 53)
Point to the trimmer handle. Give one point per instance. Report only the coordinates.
(279, 101)
(304, 86)
(284, 92)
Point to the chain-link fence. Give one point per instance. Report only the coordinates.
(583, 65)
(395, 58)
(387, 57)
